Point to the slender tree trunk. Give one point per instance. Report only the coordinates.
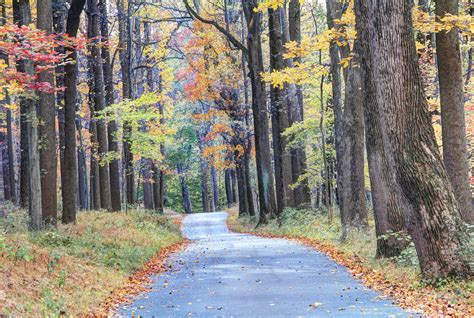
(390, 64)
(215, 189)
(81, 168)
(453, 126)
(291, 28)
(22, 16)
(114, 164)
(7, 193)
(204, 186)
(59, 27)
(125, 56)
(47, 115)
(11, 158)
(99, 103)
(268, 208)
(184, 190)
(228, 187)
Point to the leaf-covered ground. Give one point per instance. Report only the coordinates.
(76, 269)
(398, 278)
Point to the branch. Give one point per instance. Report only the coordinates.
(229, 36)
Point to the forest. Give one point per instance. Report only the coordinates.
(122, 117)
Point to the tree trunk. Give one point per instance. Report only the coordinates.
(81, 168)
(99, 103)
(59, 27)
(69, 173)
(215, 190)
(184, 190)
(390, 65)
(7, 195)
(125, 65)
(228, 187)
(114, 164)
(280, 115)
(11, 158)
(453, 126)
(291, 28)
(268, 208)
(22, 16)
(354, 211)
(47, 115)
(94, 172)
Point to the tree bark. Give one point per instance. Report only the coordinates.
(114, 164)
(228, 187)
(81, 168)
(184, 190)
(69, 173)
(453, 126)
(389, 59)
(47, 115)
(215, 190)
(125, 57)
(99, 103)
(354, 211)
(292, 32)
(22, 16)
(268, 208)
(387, 199)
(280, 116)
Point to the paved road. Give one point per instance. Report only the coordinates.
(224, 274)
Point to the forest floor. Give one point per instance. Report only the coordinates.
(398, 278)
(81, 269)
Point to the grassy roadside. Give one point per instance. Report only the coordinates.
(398, 277)
(71, 271)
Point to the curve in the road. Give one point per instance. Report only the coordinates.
(225, 274)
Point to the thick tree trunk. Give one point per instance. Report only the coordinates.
(114, 164)
(390, 64)
(69, 173)
(453, 126)
(47, 115)
(281, 106)
(387, 199)
(354, 211)
(268, 208)
(99, 103)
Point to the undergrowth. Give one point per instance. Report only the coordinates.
(69, 271)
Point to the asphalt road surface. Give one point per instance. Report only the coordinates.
(225, 274)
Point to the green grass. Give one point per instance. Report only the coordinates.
(73, 268)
